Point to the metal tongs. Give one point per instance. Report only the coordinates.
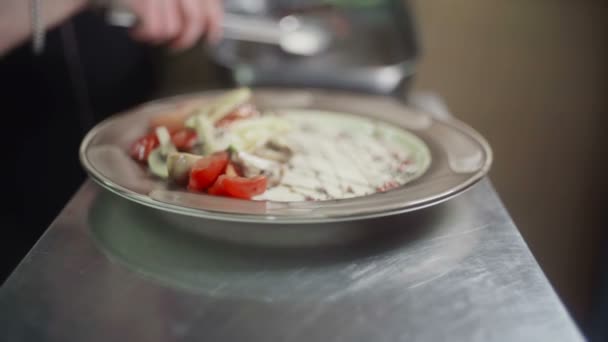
(293, 34)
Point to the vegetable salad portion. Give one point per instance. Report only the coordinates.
(223, 148)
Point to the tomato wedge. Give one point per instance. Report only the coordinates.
(243, 112)
(217, 189)
(184, 139)
(206, 170)
(241, 187)
(142, 147)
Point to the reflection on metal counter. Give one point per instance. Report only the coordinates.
(133, 236)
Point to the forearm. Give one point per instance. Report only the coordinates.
(16, 21)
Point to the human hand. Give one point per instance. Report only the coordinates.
(178, 23)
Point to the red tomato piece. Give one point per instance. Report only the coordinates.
(184, 139)
(241, 187)
(217, 189)
(243, 112)
(206, 170)
(142, 147)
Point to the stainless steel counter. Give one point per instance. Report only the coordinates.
(106, 270)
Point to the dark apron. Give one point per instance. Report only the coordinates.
(48, 102)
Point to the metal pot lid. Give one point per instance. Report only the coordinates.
(460, 157)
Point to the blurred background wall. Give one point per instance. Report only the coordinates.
(532, 76)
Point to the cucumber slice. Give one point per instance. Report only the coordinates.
(179, 165)
(164, 139)
(205, 133)
(228, 103)
(157, 160)
(221, 107)
(256, 132)
(158, 163)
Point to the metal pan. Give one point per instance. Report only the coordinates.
(374, 49)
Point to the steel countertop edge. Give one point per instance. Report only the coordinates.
(469, 276)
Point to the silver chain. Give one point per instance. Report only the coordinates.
(37, 26)
(76, 72)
